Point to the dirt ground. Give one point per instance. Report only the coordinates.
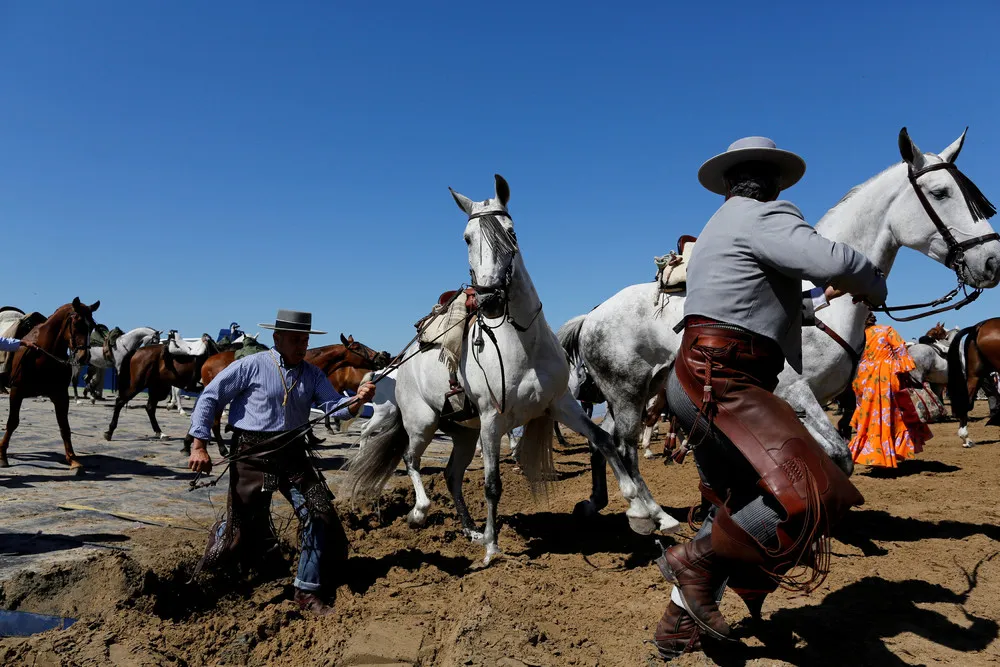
(915, 580)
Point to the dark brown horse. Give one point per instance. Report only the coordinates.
(46, 372)
(154, 369)
(346, 364)
(981, 347)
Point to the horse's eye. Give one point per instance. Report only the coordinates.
(940, 193)
(468, 240)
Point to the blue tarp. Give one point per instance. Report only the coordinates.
(25, 624)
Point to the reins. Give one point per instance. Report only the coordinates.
(259, 449)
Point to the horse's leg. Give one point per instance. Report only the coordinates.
(628, 423)
(74, 378)
(420, 422)
(177, 397)
(462, 452)
(972, 382)
(156, 394)
(598, 475)
(489, 441)
(125, 395)
(217, 432)
(60, 401)
(13, 419)
(643, 513)
(647, 438)
(559, 436)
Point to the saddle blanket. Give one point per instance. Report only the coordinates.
(671, 269)
(445, 328)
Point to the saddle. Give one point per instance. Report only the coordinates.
(247, 347)
(179, 347)
(671, 269)
(446, 327)
(109, 343)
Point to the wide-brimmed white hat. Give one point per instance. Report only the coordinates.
(790, 166)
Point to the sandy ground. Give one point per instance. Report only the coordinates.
(915, 579)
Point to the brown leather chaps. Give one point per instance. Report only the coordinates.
(729, 374)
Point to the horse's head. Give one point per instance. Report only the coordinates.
(79, 324)
(937, 332)
(492, 244)
(942, 213)
(368, 355)
(382, 359)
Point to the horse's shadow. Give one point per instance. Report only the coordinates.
(361, 572)
(97, 467)
(865, 613)
(864, 526)
(27, 544)
(560, 533)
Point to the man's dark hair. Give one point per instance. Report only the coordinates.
(754, 180)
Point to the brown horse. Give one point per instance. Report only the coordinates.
(46, 372)
(982, 357)
(346, 364)
(154, 369)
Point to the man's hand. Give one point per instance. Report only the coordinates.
(832, 293)
(366, 392)
(199, 461)
(30, 346)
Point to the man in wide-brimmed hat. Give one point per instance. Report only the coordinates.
(269, 395)
(775, 493)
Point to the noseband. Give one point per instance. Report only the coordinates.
(980, 208)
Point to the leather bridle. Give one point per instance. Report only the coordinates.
(980, 208)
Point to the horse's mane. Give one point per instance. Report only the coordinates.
(857, 188)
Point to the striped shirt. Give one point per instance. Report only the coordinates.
(9, 344)
(253, 389)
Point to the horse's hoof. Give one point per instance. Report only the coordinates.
(187, 450)
(968, 444)
(416, 519)
(223, 452)
(107, 436)
(3, 462)
(161, 436)
(641, 525)
(475, 536)
(492, 553)
(649, 454)
(668, 524)
(76, 467)
(79, 402)
(586, 508)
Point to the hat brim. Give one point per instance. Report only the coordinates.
(276, 328)
(790, 166)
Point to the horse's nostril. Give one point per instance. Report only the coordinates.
(992, 266)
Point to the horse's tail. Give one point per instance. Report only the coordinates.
(383, 443)
(569, 336)
(958, 390)
(535, 453)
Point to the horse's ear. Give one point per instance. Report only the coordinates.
(76, 303)
(950, 154)
(95, 306)
(343, 340)
(503, 190)
(463, 202)
(909, 151)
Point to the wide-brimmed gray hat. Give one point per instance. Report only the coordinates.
(790, 166)
(292, 320)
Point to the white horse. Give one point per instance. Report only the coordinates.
(629, 344)
(931, 361)
(123, 349)
(514, 372)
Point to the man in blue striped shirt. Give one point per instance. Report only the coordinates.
(12, 344)
(269, 396)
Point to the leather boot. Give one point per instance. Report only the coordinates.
(676, 633)
(694, 569)
(309, 601)
(744, 557)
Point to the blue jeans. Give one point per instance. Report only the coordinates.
(312, 535)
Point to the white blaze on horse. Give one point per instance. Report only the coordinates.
(513, 371)
(629, 343)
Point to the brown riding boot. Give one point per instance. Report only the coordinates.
(676, 633)
(309, 601)
(694, 569)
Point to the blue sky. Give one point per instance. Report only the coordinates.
(190, 164)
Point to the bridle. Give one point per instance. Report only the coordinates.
(503, 289)
(507, 238)
(980, 208)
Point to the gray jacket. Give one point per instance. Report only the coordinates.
(749, 263)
